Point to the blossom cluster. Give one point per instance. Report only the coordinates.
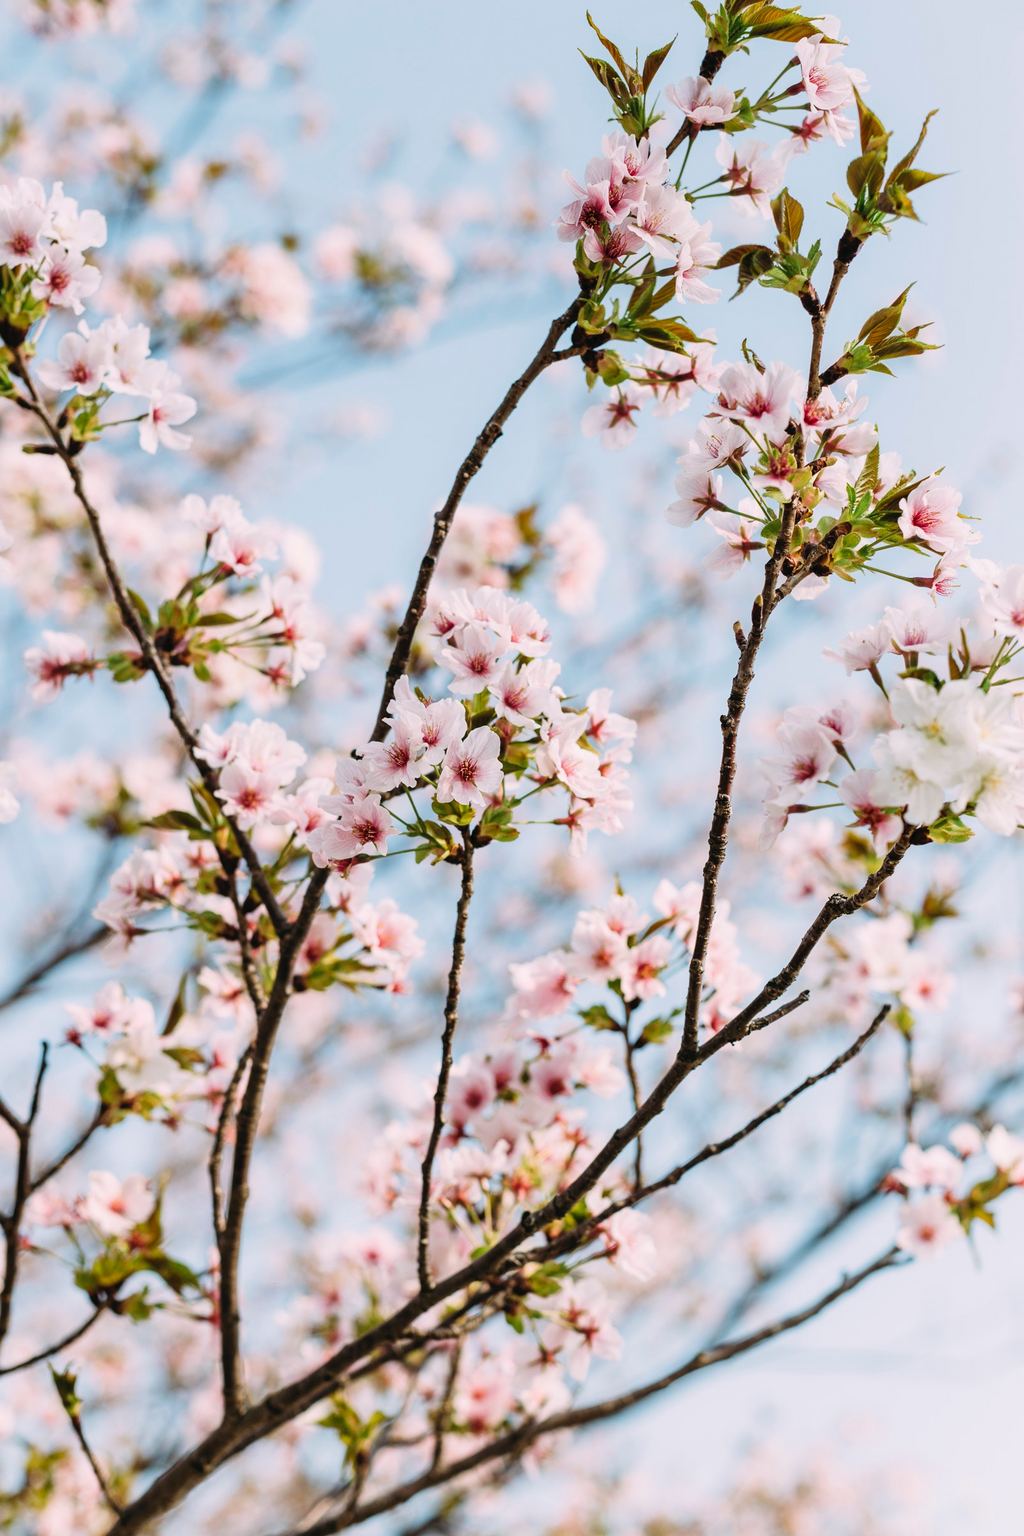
(622, 950)
(626, 206)
(43, 240)
(503, 724)
(242, 632)
(950, 746)
(113, 360)
(943, 1203)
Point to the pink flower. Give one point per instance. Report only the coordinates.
(698, 492)
(114, 1207)
(437, 725)
(928, 1225)
(472, 1091)
(522, 696)
(934, 1168)
(966, 1140)
(762, 399)
(239, 545)
(642, 160)
(65, 279)
(1007, 1152)
(612, 420)
(701, 101)
(22, 225)
(629, 1244)
(248, 794)
(642, 967)
(83, 358)
(741, 540)
(1003, 600)
(109, 1012)
(168, 408)
(363, 827)
(545, 986)
(662, 219)
(931, 515)
(474, 656)
(754, 172)
(59, 657)
(598, 951)
(395, 762)
(697, 255)
(681, 906)
(863, 648)
(471, 773)
(829, 82)
(860, 793)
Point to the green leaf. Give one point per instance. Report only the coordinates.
(735, 255)
(789, 220)
(868, 477)
(597, 1017)
(656, 1031)
(175, 821)
(653, 62)
(628, 74)
(949, 829)
(66, 1381)
(884, 321)
(873, 133)
(141, 608)
(609, 79)
(781, 24)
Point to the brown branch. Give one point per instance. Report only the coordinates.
(10, 1224)
(133, 623)
(847, 249)
(835, 907)
(75, 1420)
(443, 518)
(718, 832)
(99, 1119)
(451, 1019)
(518, 1440)
(227, 1111)
(715, 1148)
(70, 950)
(62, 1343)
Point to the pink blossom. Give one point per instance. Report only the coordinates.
(167, 409)
(701, 101)
(65, 279)
(753, 170)
(83, 358)
(934, 1168)
(613, 420)
(931, 514)
(829, 82)
(114, 1206)
(59, 657)
(474, 656)
(471, 772)
(764, 400)
(927, 1225)
(859, 791)
(642, 966)
(629, 1244)
(363, 827)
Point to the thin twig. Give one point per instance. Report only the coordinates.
(451, 1019)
